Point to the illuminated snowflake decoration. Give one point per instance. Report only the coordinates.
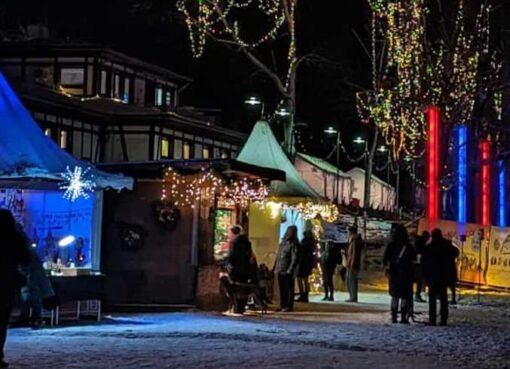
(76, 184)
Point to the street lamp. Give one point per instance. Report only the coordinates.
(368, 178)
(255, 101)
(282, 112)
(332, 131)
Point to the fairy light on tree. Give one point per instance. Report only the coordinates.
(420, 69)
(224, 22)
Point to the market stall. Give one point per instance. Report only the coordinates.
(56, 198)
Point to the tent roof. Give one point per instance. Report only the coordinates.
(374, 177)
(322, 164)
(27, 154)
(262, 149)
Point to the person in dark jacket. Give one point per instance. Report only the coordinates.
(13, 254)
(305, 264)
(285, 268)
(399, 258)
(353, 261)
(239, 262)
(437, 259)
(421, 242)
(330, 257)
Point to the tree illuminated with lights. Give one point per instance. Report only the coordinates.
(417, 67)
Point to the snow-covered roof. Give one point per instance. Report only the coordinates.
(263, 149)
(322, 164)
(26, 153)
(374, 177)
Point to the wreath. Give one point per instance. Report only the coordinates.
(167, 214)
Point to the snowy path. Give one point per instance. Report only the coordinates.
(336, 336)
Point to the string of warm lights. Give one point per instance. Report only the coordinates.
(185, 190)
(419, 72)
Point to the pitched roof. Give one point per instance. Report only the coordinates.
(374, 177)
(26, 153)
(263, 149)
(322, 164)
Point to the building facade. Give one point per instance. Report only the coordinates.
(104, 106)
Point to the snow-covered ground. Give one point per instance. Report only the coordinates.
(318, 335)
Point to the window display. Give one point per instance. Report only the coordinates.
(223, 220)
(60, 230)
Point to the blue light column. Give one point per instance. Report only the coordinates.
(501, 193)
(462, 173)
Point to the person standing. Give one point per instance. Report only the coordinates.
(285, 268)
(353, 256)
(305, 264)
(14, 254)
(329, 260)
(437, 259)
(421, 241)
(399, 258)
(453, 277)
(239, 262)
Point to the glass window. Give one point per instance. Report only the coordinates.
(178, 149)
(116, 86)
(216, 153)
(104, 78)
(139, 92)
(159, 96)
(126, 90)
(205, 153)
(187, 151)
(165, 148)
(63, 139)
(198, 151)
(168, 98)
(70, 77)
(47, 132)
(224, 154)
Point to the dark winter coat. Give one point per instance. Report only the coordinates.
(306, 256)
(331, 256)
(38, 285)
(438, 262)
(287, 257)
(238, 260)
(13, 254)
(399, 262)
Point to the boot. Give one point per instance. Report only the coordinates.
(325, 298)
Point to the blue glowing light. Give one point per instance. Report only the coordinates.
(462, 174)
(502, 193)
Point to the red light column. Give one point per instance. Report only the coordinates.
(433, 165)
(485, 149)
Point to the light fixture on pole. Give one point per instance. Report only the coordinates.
(255, 101)
(332, 131)
(282, 112)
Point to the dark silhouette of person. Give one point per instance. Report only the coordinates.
(421, 242)
(285, 268)
(330, 257)
(353, 261)
(437, 259)
(306, 258)
(14, 254)
(239, 262)
(399, 258)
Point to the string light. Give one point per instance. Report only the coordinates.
(418, 73)
(185, 190)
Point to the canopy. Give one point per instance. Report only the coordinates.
(27, 154)
(262, 149)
